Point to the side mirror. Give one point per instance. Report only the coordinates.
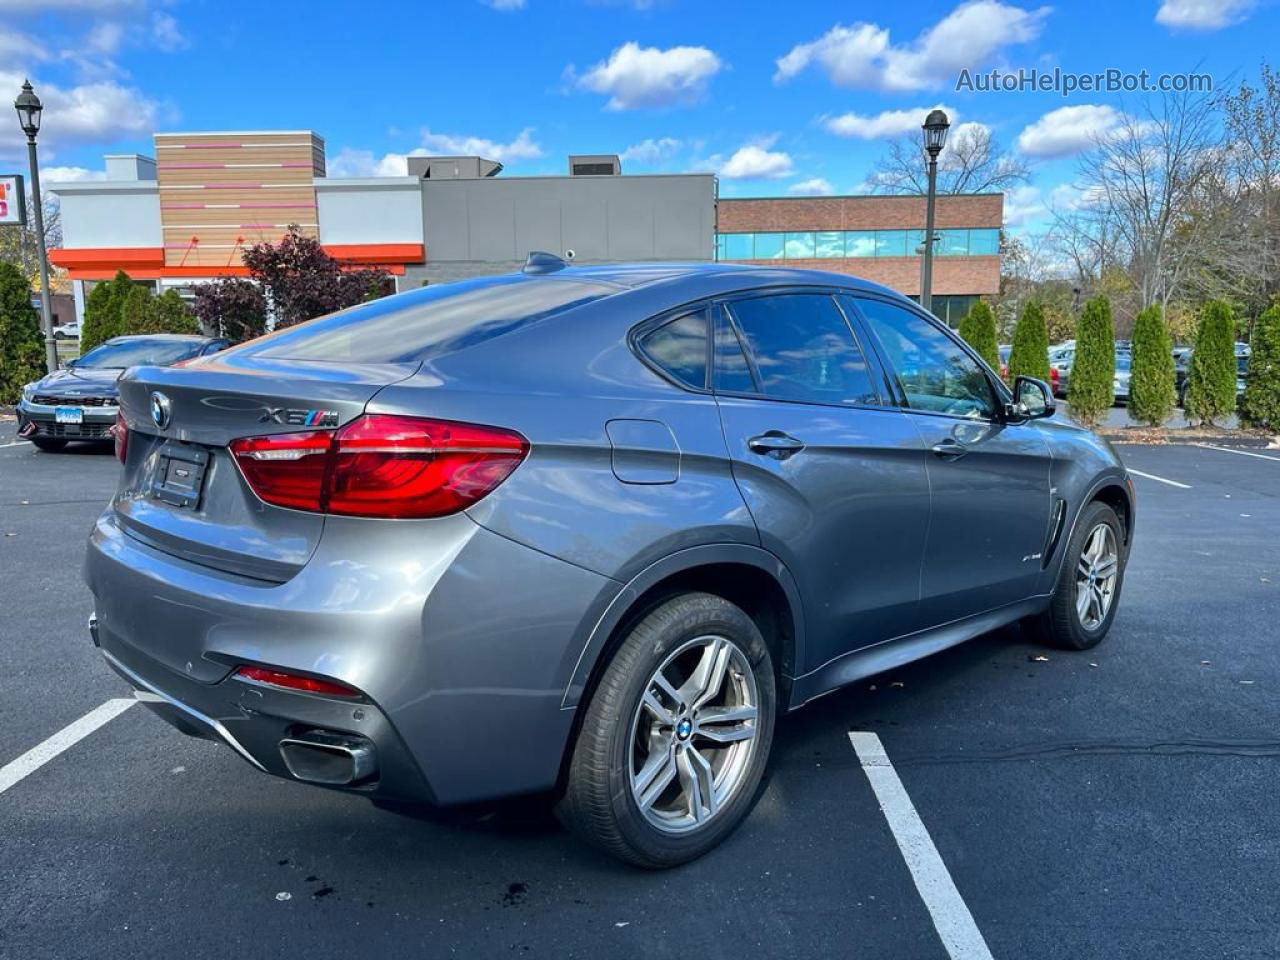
(1032, 399)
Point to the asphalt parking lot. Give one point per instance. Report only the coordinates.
(1115, 803)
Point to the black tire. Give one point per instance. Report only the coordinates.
(598, 804)
(1060, 625)
(48, 444)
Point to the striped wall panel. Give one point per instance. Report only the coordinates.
(222, 192)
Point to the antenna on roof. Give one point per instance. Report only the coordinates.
(542, 262)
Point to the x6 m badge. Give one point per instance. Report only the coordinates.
(300, 418)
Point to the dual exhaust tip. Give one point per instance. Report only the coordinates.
(332, 759)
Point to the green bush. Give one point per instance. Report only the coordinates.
(21, 345)
(170, 314)
(102, 311)
(1211, 381)
(978, 328)
(1262, 388)
(1092, 388)
(1151, 381)
(1030, 354)
(135, 310)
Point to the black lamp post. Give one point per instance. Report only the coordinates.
(29, 109)
(935, 135)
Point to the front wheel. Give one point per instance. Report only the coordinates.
(676, 737)
(1087, 593)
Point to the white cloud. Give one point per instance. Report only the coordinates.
(1069, 130)
(1203, 14)
(886, 124)
(1067, 197)
(105, 37)
(636, 77)
(863, 56)
(652, 151)
(70, 174)
(166, 35)
(523, 147)
(350, 162)
(756, 161)
(817, 187)
(16, 46)
(504, 4)
(1023, 204)
(88, 113)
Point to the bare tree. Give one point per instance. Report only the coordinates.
(1142, 183)
(18, 244)
(971, 162)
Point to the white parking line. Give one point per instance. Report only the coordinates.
(16, 443)
(951, 918)
(1152, 476)
(1243, 453)
(67, 737)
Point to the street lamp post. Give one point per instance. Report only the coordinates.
(29, 109)
(935, 135)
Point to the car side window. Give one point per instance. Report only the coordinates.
(679, 347)
(803, 349)
(733, 374)
(934, 371)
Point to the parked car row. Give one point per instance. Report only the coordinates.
(1182, 371)
(80, 401)
(1062, 357)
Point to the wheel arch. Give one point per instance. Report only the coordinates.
(749, 576)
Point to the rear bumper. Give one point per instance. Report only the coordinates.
(462, 649)
(253, 719)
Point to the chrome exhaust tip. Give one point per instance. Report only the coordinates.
(335, 759)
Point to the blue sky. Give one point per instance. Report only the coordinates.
(775, 98)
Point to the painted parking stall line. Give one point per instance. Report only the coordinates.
(1243, 453)
(951, 917)
(1152, 476)
(35, 758)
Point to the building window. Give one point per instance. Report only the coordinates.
(852, 244)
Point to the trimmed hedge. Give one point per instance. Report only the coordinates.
(978, 329)
(1030, 354)
(1093, 373)
(1211, 381)
(1261, 406)
(1152, 379)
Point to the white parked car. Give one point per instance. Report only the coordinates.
(67, 331)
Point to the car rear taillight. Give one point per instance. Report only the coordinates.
(381, 466)
(120, 434)
(296, 681)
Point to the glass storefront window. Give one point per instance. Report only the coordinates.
(830, 244)
(914, 239)
(860, 243)
(953, 243)
(800, 246)
(769, 246)
(891, 243)
(984, 243)
(738, 246)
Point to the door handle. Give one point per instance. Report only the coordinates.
(949, 449)
(775, 444)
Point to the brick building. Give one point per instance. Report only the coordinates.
(875, 238)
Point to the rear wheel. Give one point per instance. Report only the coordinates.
(1088, 589)
(48, 444)
(676, 736)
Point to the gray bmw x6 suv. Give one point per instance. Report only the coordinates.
(584, 531)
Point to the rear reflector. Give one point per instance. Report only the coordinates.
(120, 434)
(296, 681)
(381, 466)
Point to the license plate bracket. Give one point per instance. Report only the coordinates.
(179, 474)
(68, 415)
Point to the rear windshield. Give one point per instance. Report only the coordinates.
(139, 352)
(431, 322)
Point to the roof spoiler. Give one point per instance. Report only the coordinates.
(539, 261)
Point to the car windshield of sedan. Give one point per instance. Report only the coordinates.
(139, 353)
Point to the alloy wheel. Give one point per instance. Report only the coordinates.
(694, 734)
(1096, 575)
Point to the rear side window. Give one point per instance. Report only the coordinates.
(431, 322)
(733, 375)
(803, 349)
(679, 347)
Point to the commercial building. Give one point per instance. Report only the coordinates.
(186, 216)
(876, 238)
